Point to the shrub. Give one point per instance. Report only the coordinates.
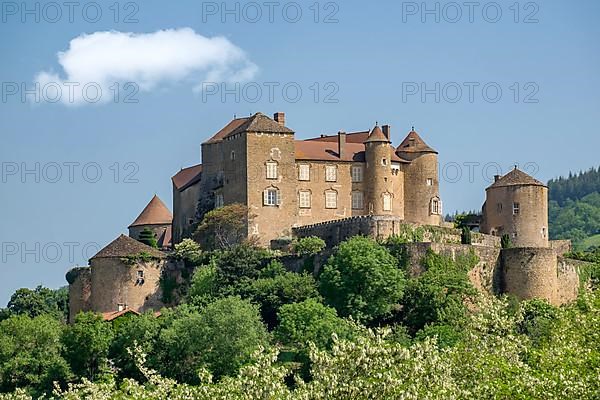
(308, 246)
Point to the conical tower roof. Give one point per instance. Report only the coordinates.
(155, 213)
(413, 143)
(377, 135)
(516, 177)
(124, 246)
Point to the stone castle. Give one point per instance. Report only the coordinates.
(334, 187)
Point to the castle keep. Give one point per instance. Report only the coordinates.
(335, 187)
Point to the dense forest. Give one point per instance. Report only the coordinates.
(364, 327)
(574, 208)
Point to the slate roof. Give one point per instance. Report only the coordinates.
(124, 246)
(413, 143)
(187, 177)
(516, 177)
(155, 213)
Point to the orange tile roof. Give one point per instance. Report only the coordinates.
(112, 315)
(413, 143)
(377, 135)
(187, 177)
(351, 137)
(155, 213)
(165, 239)
(317, 150)
(259, 122)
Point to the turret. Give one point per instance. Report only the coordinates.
(517, 205)
(422, 203)
(378, 173)
(157, 218)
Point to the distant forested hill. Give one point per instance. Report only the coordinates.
(575, 207)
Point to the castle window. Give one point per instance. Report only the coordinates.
(304, 172)
(429, 181)
(271, 197)
(499, 207)
(331, 199)
(516, 208)
(435, 206)
(357, 173)
(120, 307)
(219, 200)
(384, 161)
(330, 173)
(387, 202)
(304, 199)
(271, 170)
(232, 155)
(544, 233)
(358, 202)
(191, 221)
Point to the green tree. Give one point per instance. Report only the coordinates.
(505, 241)
(86, 343)
(308, 246)
(465, 235)
(222, 337)
(362, 280)
(224, 227)
(40, 301)
(30, 354)
(271, 293)
(239, 264)
(189, 251)
(147, 237)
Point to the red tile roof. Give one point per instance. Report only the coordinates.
(165, 239)
(187, 177)
(377, 135)
(413, 143)
(351, 137)
(317, 150)
(259, 122)
(155, 213)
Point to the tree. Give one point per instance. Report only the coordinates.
(30, 354)
(271, 293)
(86, 345)
(505, 241)
(224, 227)
(308, 246)
(437, 296)
(147, 237)
(40, 301)
(239, 264)
(362, 280)
(310, 321)
(465, 235)
(189, 251)
(222, 337)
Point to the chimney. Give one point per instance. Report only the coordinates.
(279, 117)
(496, 177)
(341, 143)
(386, 132)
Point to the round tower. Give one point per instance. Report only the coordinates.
(422, 202)
(517, 204)
(378, 173)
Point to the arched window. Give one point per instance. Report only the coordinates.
(435, 206)
(387, 201)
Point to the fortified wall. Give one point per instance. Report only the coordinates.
(525, 272)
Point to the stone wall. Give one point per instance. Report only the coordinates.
(561, 246)
(80, 290)
(530, 273)
(185, 203)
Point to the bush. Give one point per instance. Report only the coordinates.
(362, 280)
(308, 246)
(147, 237)
(224, 228)
(189, 251)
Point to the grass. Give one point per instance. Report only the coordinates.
(589, 242)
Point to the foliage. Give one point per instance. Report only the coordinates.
(141, 257)
(538, 319)
(310, 322)
(40, 301)
(271, 293)
(505, 241)
(30, 354)
(224, 227)
(222, 337)
(239, 264)
(86, 345)
(465, 235)
(203, 289)
(308, 246)
(437, 296)
(168, 284)
(147, 237)
(362, 280)
(189, 251)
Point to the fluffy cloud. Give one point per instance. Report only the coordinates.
(148, 60)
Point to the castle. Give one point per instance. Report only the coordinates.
(334, 187)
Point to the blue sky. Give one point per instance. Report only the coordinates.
(372, 59)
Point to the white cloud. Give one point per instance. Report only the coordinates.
(149, 60)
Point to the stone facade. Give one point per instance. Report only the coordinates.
(285, 183)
